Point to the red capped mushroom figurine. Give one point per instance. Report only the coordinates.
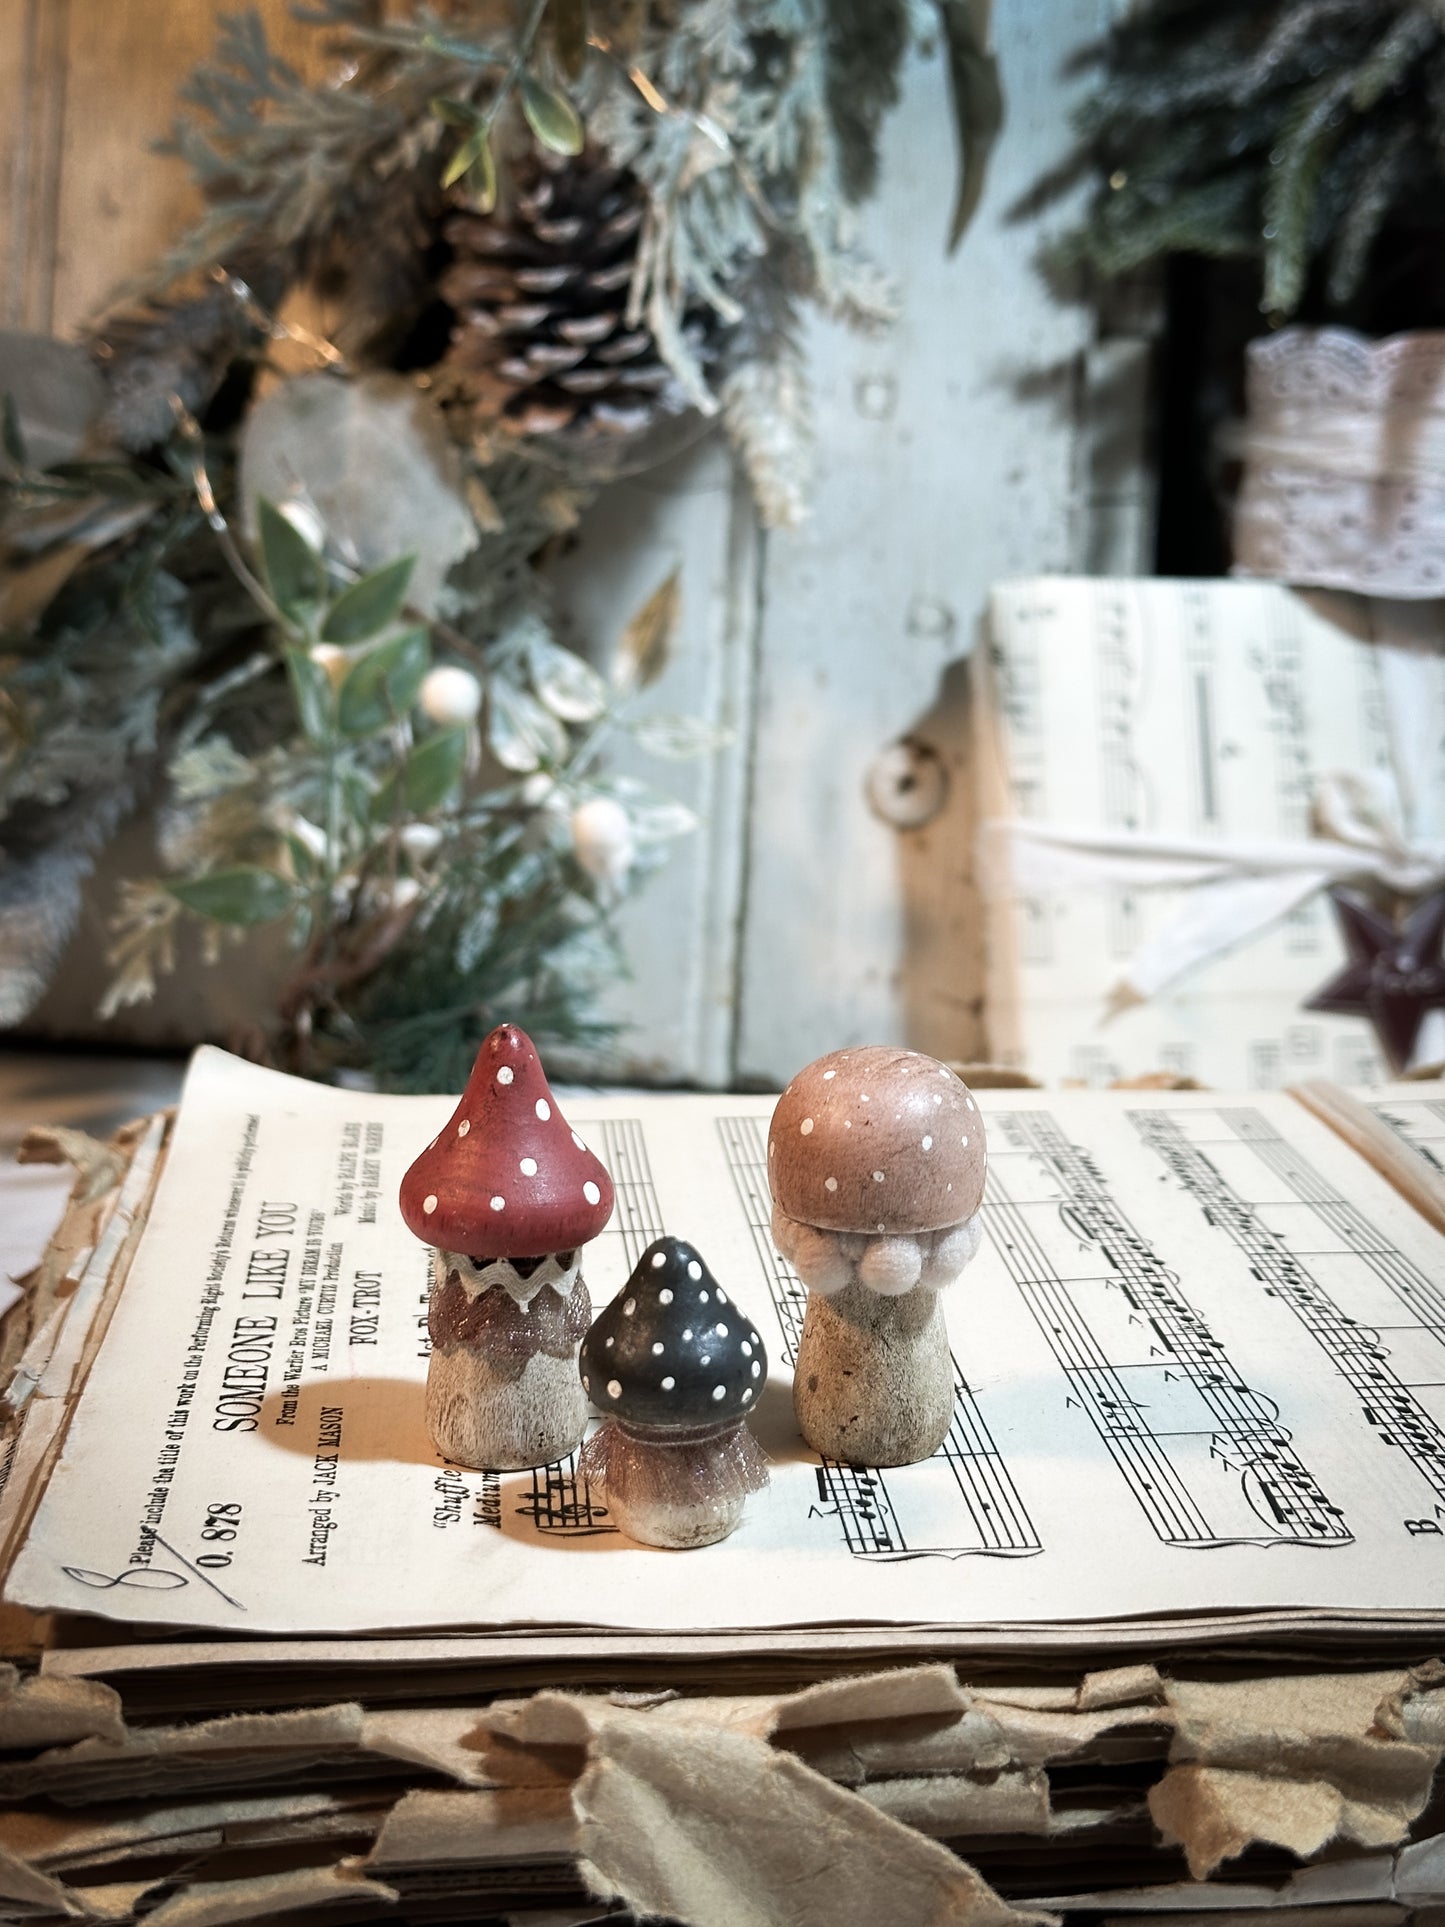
(506, 1195)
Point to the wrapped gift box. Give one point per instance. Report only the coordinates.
(1208, 711)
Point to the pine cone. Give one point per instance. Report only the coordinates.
(541, 341)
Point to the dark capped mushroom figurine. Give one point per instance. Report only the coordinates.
(506, 1195)
(876, 1163)
(674, 1367)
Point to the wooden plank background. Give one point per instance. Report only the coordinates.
(988, 434)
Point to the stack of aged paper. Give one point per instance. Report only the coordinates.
(1154, 1632)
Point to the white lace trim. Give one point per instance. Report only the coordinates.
(1344, 449)
(475, 1279)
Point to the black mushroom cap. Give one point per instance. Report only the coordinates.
(672, 1348)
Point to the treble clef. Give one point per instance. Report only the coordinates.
(147, 1578)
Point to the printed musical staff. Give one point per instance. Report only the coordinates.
(1380, 1321)
(561, 1504)
(1419, 1122)
(979, 1498)
(637, 1218)
(1205, 1455)
(1118, 667)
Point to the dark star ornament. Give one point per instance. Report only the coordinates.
(1395, 974)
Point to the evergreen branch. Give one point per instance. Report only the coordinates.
(1293, 130)
(1378, 184)
(1292, 187)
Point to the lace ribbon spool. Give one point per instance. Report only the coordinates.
(1344, 453)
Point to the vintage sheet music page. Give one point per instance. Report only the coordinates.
(1201, 1366)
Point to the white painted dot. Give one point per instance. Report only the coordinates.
(772, 1149)
(610, 1343)
(830, 1184)
(706, 1359)
(938, 1097)
(657, 1349)
(719, 1391)
(578, 1142)
(614, 1390)
(928, 1144)
(722, 1296)
(528, 1167)
(429, 1204)
(659, 1259)
(664, 1297)
(721, 1330)
(747, 1349)
(694, 1271)
(828, 1076)
(586, 1383)
(668, 1383)
(862, 1097)
(629, 1305)
(878, 1177)
(544, 1109)
(950, 1187)
(499, 1204)
(881, 1225)
(964, 1138)
(806, 1127)
(505, 1074)
(847, 1123)
(464, 1127)
(591, 1193)
(748, 1390)
(688, 1332)
(757, 1369)
(756, 1340)
(702, 1297)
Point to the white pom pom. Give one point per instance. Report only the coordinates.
(952, 1250)
(891, 1266)
(602, 838)
(336, 662)
(813, 1254)
(451, 697)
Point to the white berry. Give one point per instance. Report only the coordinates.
(451, 697)
(602, 839)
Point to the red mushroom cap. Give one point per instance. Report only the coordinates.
(507, 1177)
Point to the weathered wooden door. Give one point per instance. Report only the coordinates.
(957, 449)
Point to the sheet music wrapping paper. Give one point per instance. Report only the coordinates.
(1204, 710)
(1200, 1366)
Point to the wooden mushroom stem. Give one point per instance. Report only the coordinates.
(874, 1383)
(677, 1486)
(502, 1385)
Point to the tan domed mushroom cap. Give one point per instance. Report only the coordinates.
(877, 1140)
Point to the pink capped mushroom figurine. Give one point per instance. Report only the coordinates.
(876, 1164)
(506, 1195)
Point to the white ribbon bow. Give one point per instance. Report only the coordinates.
(1237, 886)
